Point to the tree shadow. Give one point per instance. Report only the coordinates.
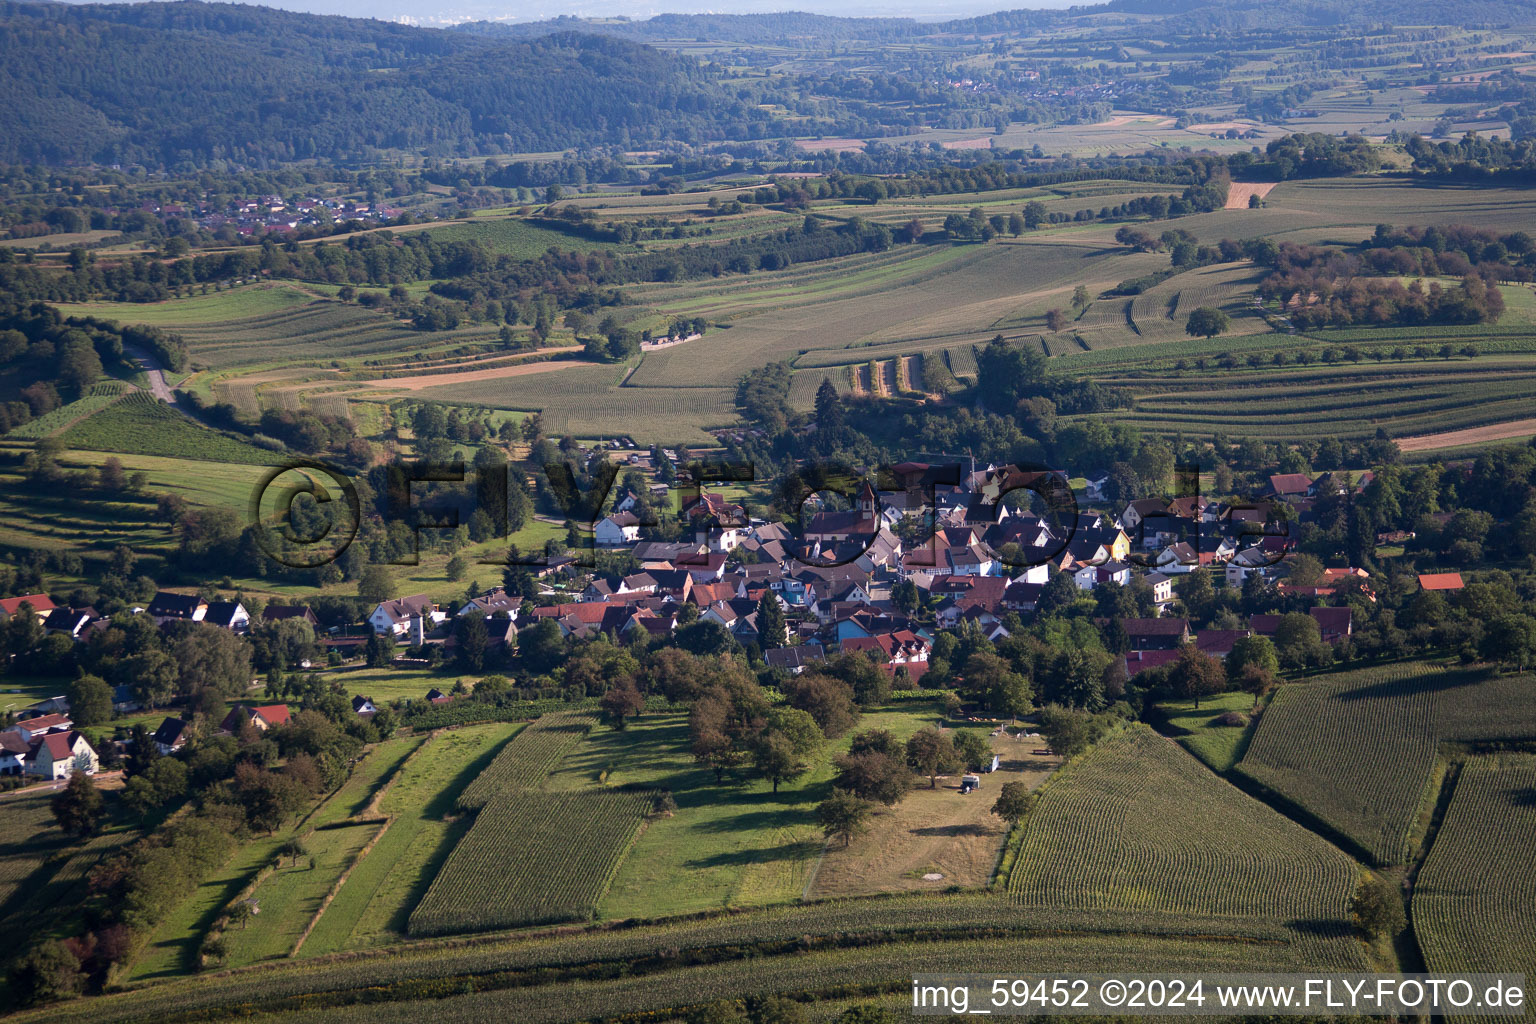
(1522, 797)
(1322, 927)
(975, 829)
(1432, 682)
(799, 850)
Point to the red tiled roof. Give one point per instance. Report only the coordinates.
(1440, 580)
(39, 603)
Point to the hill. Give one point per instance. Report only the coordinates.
(90, 83)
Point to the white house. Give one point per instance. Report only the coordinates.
(13, 753)
(617, 530)
(394, 616)
(55, 755)
(31, 728)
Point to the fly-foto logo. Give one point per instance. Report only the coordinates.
(835, 513)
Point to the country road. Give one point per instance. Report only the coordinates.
(154, 373)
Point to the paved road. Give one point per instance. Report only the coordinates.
(154, 373)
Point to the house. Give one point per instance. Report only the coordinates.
(795, 660)
(364, 707)
(40, 603)
(1335, 624)
(1440, 580)
(1218, 643)
(31, 728)
(1162, 587)
(1287, 486)
(13, 753)
(708, 506)
(903, 651)
(169, 607)
(1096, 485)
(859, 524)
(266, 717)
(394, 617)
(72, 621)
(492, 601)
(617, 530)
(1141, 661)
(1159, 634)
(58, 754)
(171, 735)
(230, 615)
(278, 612)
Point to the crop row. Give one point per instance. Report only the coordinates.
(1474, 902)
(1357, 750)
(142, 425)
(1138, 824)
(532, 858)
(528, 758)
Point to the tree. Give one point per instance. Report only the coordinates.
(1196, 674)
(931, 753)
(375, 585)
(621, 701)
(1377, 907)
(293, 849)
(90, 700)
(991, 679)
(151, 675)
(472, 639)
(77, 808)
(379, 651)
(1055, 321)
(874, 775)
(1510, 640)
(1207, 322)
(1257, 651)
(49, 971)
(721, 1011)
(776, 759)
(1034, 214)
(771, 628)
(208, 657)
(1299, 641)
(843, 815)
(1069, 731)
(777, 1010)
(829, 407)
(1012, 802)
(1080, 296)
(972, 749)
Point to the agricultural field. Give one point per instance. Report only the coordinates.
(374, 903)
(514, 236)
(1475, 896)
(1355, 751)
(525, 762)
(142, 425)
(532, 858)
(1139, 826)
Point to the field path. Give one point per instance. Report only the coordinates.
(154, 373)
(432, 380)
(1471, 435)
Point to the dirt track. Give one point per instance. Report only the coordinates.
(1472, 435)
(432, 380)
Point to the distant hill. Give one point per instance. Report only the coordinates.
(174, 83)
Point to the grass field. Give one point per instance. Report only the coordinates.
(174, 944)
(515, 237)
(1219, 746)
(1138, 826)
(1474, 901)
(1357, 749)
(248, 301)
(374, 904)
